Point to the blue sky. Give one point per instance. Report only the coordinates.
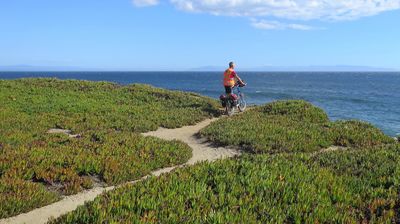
(179, 35)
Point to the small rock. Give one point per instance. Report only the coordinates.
(63, 131)
(58, 130)
(75, 136)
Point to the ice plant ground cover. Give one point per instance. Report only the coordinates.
(286, 178)
(351, 186)
(37, 167)
(292, 126)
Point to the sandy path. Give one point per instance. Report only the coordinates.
(201, 151)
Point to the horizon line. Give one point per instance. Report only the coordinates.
(239, 70)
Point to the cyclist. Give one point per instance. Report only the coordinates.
(230, 78)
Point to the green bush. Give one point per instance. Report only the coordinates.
(296, 110)
(373, 176)
(358, 134)
(337, 187)
(114, 157)
(108, 117)
(291, 126)
(32, 106)
(18, 196)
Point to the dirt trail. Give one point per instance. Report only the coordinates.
(202, 150)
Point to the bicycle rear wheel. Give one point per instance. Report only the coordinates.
(229, 109)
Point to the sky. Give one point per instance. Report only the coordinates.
(181, 35)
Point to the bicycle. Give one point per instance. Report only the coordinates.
(235, 101)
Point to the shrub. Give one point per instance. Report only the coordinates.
(373, 176)
(18, 196)
(291, 126)
(296, 110)
(108, 118)
(358, 134)
(283, 188)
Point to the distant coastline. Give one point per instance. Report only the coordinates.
(336, 68)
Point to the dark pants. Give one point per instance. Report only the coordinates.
(228, 89)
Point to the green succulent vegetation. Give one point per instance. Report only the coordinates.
(282, 184)
(351, 186)
(292, 126)
(36, 167)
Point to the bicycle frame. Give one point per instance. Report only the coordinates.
(237, 88)
(241, 101)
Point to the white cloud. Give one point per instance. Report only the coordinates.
(144, 3)
(268, 12)
(275, 25)
(332, 10)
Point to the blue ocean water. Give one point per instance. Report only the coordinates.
(368, 96)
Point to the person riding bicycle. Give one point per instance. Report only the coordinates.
(230, 78)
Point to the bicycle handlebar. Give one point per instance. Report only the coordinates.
(240, 84)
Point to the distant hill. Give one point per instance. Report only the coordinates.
(30, 68)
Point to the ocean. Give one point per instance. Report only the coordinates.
(370, 96)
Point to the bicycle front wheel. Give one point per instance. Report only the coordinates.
(242, 103)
